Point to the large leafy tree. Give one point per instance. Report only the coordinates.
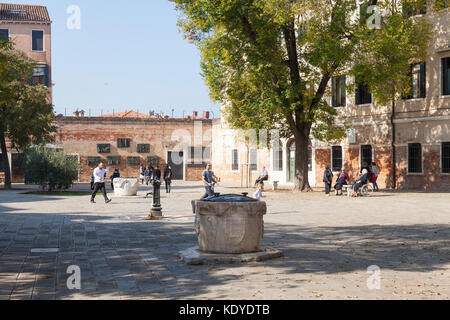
(26, 117)
(271, 61)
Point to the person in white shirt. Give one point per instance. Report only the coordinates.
(258, 195)
(99, 182)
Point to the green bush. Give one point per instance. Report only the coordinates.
(51, 168)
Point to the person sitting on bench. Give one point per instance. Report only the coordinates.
(264, 176)
(341, 181)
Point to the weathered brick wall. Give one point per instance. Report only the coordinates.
(194, 173)
(81, 135)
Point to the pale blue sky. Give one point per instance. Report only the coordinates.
(127, 55)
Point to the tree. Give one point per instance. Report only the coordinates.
(50, 167)
(26, 117)
(271, 61)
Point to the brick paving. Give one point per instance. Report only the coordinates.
(328, 243)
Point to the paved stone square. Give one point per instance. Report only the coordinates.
(328, 244)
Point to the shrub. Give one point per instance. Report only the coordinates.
(50, 168)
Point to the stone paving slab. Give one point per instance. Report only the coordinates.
(193, 256)
(328, 244)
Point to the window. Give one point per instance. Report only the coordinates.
(418, 81)
(41, 76)
(363, 95)
(4, 35)
(93, 161)
(445, 155)
(235, 160)
(104, 148)
(336, 158)
(113, 161)
(278, 157)
(414, 158)
(199, 154)
(366, 155)
(153, 161)
(253, 160)
(446, 76)
(338, 92)
(37, 40)
(133, 161)
(123, 143)
(143, 148)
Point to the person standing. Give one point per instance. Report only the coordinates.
(168, 178)
(376, 172)
(209, 180)
(142, 174)
(147, 175)
(116, 174)
(157, 174)
(99, 182)
(328, 180)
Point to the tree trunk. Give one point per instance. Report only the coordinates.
(301, 179)
(5, 161)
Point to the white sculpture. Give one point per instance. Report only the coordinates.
(126, 187)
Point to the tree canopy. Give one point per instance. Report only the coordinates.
(26, 116)
(270, 62)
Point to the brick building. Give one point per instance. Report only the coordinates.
(28, 27)
(127, 143)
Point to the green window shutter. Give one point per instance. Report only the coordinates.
(423, 80)
(47, 76)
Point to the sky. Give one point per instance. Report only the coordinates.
(127, 55)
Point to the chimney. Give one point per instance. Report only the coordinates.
(206, 115)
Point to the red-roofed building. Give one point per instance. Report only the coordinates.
(29, 28)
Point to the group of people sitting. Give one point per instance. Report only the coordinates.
(369, 174)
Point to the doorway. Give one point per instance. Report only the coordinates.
(176, 160)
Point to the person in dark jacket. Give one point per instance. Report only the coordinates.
(116, 174)
(168, 178)
(328, 180)
(361, 181)
(157, 174)
(341, 181)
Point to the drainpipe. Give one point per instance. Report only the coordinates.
(394, 160)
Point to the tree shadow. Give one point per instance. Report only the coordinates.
(138, 259)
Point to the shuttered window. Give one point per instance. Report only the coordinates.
(253, 160)
(446, 76)
(414, 158)
(445, 154)
(37, 40)
(235, 160)
(336, 158)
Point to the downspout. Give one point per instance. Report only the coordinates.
(394, 160)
